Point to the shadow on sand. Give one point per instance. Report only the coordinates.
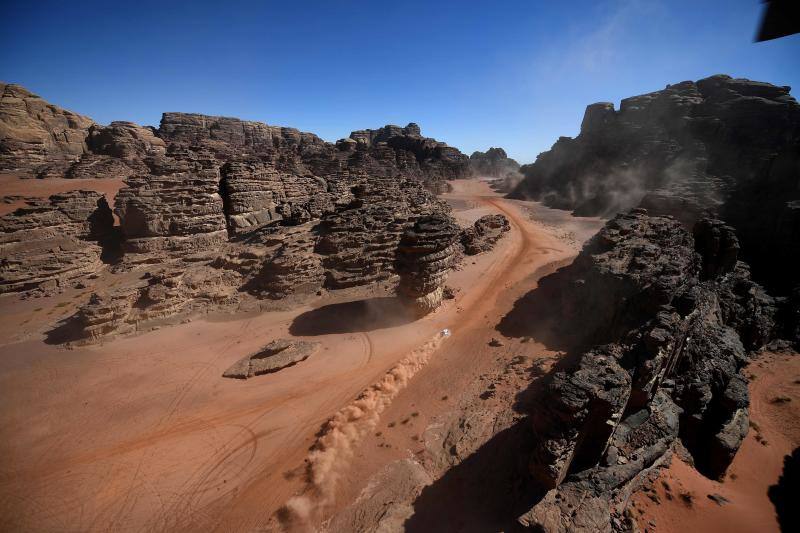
(783, 494)
(352, 317)
(549, 314)
(66, 330)
(485, 492)
(488, 490)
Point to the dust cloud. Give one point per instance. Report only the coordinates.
(335, 446)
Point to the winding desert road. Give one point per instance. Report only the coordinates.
(142, 433)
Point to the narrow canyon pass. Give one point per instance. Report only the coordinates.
(218, 324)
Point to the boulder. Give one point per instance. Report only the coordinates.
(484, 234)
(275, 356)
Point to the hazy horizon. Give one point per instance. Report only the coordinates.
(516, 75)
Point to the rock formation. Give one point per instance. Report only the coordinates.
(484, 234)
(494, 163)
(275, 356)
(668, 321)
(426, 253)
(218, 210)
(49, 243)
(726, 146)
(432, 161)
(117, 150)
(36, 137)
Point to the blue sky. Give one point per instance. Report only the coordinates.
(516, 74)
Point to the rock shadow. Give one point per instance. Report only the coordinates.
(548, 315)
(353, 317)
(485, 492)
(66, 330)
(783, 494)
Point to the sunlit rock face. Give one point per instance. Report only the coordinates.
(425, 255)
(217, 211)
(36, 137)
(50, 242)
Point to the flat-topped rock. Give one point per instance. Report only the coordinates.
(275, 356)
(426, 253)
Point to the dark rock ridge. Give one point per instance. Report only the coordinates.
(726, 146)
(484, 234)
(219, 211)
(668, 321)
(494, 163)
(426, 253)
(51, 242)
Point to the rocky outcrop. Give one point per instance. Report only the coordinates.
(359, 242)
(117, 151)
(257, 194)
(726, 146)
(51, 242)
(219, 211)
(275, 356)
(428, 159)
(36, 137)
(494, 163)
(277, 264)
(675, 317)
(178, 207)
(484, 234)
(426, 254)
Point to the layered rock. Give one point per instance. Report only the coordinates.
(677, 317)
(484, 234)
(177, 207)
(37, 137)
(117, 151)
(277, 264)
(275, 356)
(219, 210)
(175, 290)
(428, 159)
(726, 146)
(359, 242)
(50, 242)
(257, 194)
(425, 256)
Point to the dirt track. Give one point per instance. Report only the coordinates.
(143, 433)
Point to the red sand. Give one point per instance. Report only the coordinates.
(754, 469)
(143, 433)
(13, 185)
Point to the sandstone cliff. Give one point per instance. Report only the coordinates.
(218, 210)
(37, 137)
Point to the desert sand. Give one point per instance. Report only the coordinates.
(681, 499)
(14, 188)
(144, 433)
